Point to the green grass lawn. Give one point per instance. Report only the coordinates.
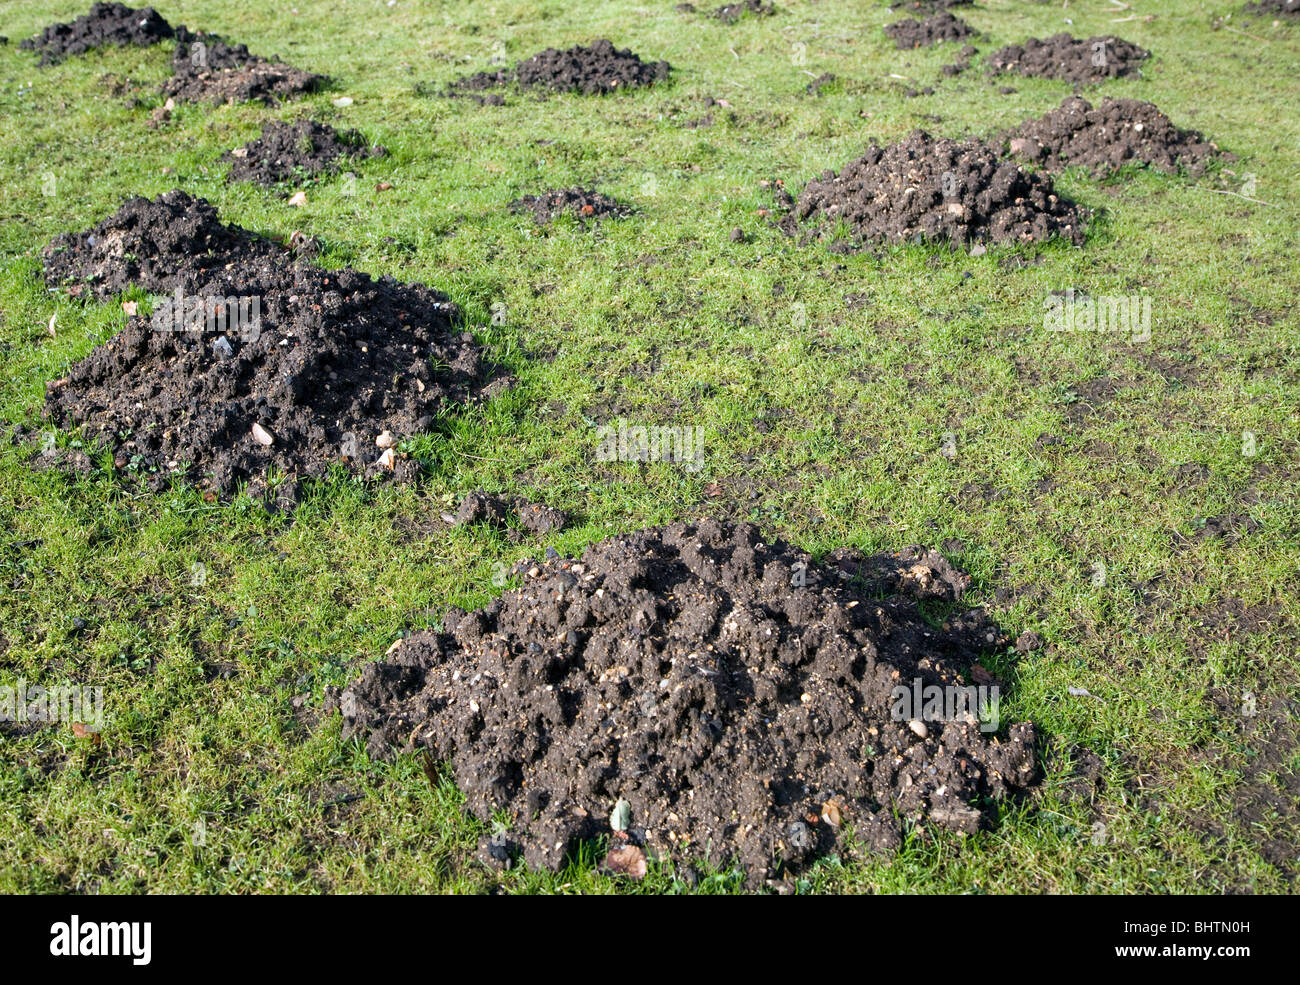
(829, 388)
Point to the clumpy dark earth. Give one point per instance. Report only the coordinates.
(286, 152)
(339, 365)
(582, 203)
(107, 24)
(913, 33)
(732, 12)
(926, 6)
(1073, 59)
(595, 68)
(928, 189)
(737, 696)
(219, 72)
(1106, 137)
(1274, 7)
(495, 511)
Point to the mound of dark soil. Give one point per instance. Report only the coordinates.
(335, 367)
(739, 698)
(1104, 138)
(1063, 56)
(495, 511)
(1272, 8)
(205, 67)
(583, 203)
(595, 68)
(286, 152)
(107, 24)
(926, 6)
(913, 33)
(934, 190)
(732, 12)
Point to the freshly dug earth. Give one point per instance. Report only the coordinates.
(732, 12)
(286, 152)
(927, 189)
(107, 24)
(1105, 138)
(926, 6)
(913, 33)
(580, 202)
(595, 68)
(738, 697)
(1063, 56)
(205, 67)
(1274, 7)
(336, 360)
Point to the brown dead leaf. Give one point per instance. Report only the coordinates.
(831, 813)
(384, 186)
(981, 676)
(627, 860)
(713, 490)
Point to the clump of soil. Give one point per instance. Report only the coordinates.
(956, 68)
(286, 152)
(1274, 7)
(927, 6)
(1105, 138)
(583, 203)
(913, 33)
(927, 189)
(732, 12)
(107, 24)
(1063, 56)
(205, 67)
(332, 366)
(738, 697)
(595, 68)
(495, 511)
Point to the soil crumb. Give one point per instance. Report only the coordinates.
(1063, 56)
(288, 152)
(913, 33)
(107, 25)
(1109, 136)
(207, 68)
(927, 189)
(582, 203)
(696, 691)
(257, 362)
(590, 69)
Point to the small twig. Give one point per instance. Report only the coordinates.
(1246, 34)
(1224, 191)
(733, 54)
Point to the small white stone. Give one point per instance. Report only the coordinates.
(262, 436)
